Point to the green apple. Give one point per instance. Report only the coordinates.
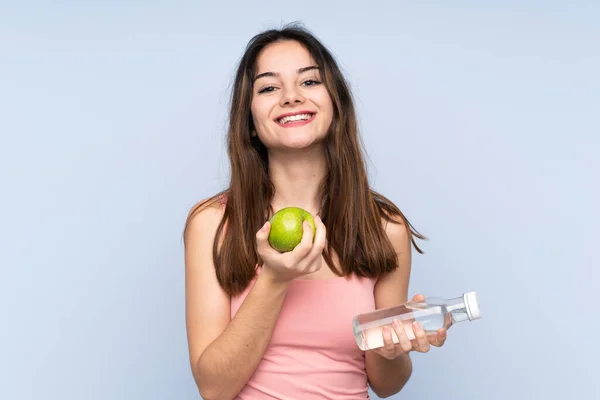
(286, 228)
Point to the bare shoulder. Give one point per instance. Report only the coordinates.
(204, 217)
(392, 288)
(397, 232)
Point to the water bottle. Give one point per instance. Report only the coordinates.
(433, 313)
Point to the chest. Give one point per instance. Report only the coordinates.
(318, 315)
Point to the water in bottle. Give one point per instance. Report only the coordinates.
(433, 313)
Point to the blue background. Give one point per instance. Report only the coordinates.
(481, 121)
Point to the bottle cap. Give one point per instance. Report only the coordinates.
(472, 305)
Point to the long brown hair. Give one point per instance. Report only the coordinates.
(350, 209)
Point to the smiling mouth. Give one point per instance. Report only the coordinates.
(298, 118)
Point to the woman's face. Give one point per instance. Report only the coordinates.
(291, 108)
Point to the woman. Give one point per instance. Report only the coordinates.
(269, 325)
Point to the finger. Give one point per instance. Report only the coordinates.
(403, 339)
(388, 342)
(320, 238)
(262, 239)
(305, 245)
(439, 338)
(418, 297)
(421, 338)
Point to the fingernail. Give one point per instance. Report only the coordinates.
(417, 326)
(396, 323)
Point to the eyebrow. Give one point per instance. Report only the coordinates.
(274, 74)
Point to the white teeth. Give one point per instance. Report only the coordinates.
(294, 118)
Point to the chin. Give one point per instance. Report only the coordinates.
(296, 141)
(300, 143)
(297, 144)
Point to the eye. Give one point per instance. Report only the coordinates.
(267, 89)
(311, 82)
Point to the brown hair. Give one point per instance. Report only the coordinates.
(350, 209)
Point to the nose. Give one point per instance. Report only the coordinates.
(291, 96)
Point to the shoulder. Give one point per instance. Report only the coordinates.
(392, 221)
(394, 225)
(397, 233)
(204, 218)
(392, 288)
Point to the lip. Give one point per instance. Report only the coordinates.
(294, 113)
(297, 123)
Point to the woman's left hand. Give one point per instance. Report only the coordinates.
(422, 342)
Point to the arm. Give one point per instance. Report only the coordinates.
(387, 377)
(224, 352)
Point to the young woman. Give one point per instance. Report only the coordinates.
(269, 325)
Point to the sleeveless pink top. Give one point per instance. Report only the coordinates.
(312, 353)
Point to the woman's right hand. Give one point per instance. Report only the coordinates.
(304, 259)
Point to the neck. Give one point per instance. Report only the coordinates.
(297, 177)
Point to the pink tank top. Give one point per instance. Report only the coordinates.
(312, 353)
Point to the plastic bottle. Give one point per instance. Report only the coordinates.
(433, 313)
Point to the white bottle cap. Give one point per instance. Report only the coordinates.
(472, 305)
